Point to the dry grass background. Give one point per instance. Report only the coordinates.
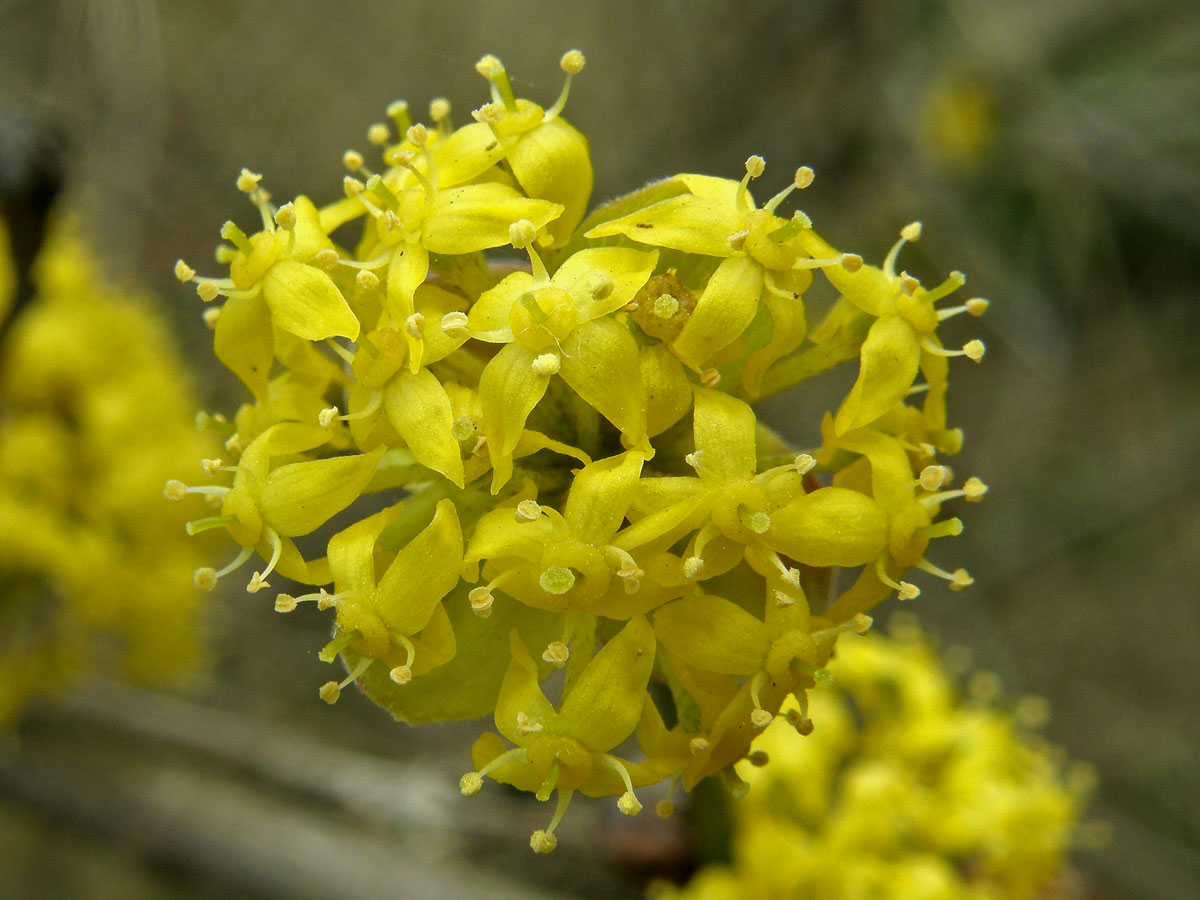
(1079, 216)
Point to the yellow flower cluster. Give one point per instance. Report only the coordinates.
(904, 791)
(561, 464)
(94, 414)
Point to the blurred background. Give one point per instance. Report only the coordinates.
(1052, 151)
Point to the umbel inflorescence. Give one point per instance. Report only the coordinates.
(542, 423)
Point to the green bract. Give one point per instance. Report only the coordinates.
(546, 458)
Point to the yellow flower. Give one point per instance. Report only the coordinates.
(579, 472)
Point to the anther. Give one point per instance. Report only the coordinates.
(784, 600)
(908, 591)
(695, 459)
(862, 623)
(804, 177)
(737, 240)
(328, 416)
(758, 758)
(557, 653)
(664, 809)
(487, 65)
(247, 181)
(542, 841)
(326, 258)
(960, 580)
(911, 232)
(211, 316)
(974, 350)
(330, 692)
(417, 135)
(401, 674)
(973, 489)
(378, 134)
(488, 114)
(760, 718)
(572, 62)
(285, 603)
(692, 567)
(205, 578)
(285, 216)
(976, 306)
(802, 723)
(366, 280)
(755, 166)
(414, 326)
(804, 464)
(234, 443)
(257, 583)
(546, 364)
(470, 784)
(823, 677)
(481, 599)
(526, 725)
(851, 262)
(933, 477)
(183, 271)
(454, 323)
(521, 233)
(527, 511)
(175, 490)
(352, 186)
(211, 466)
(207, 291)
(352, 160)
(439, 109)
(710, 378)
(698, 744)
(629, 804)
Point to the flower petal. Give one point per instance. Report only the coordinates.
(419, 410)
(891, 356)
(306, 302)
(300, 497)
(509, 389)
(423, 572)
(605, 704)
(832, 526)
(713, 634)
(725, 428)
(725, 309)
(686, 222)
(600, 495)
(600, 363)
(521, 700)
(477, 217)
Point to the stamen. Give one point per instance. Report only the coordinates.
(972, 350)
(798, 720)
(211, 316)
(258, 580)
(627, 568)
(439, 113)
(543, 840)
(933, 477)
(947, 528)
(698, 744)
(710, 378)
(378, 134)
(572, 63)
(804, 464)
(527, 511)
(366, 280)
(207, 291)
(247, 181)
(403, 674)
(522, 234)
(759, 717)
(692, 567)
(328, 416)
(493, 70)
(546, 364)
(628, 803)
(953, 282)
(959, 579)
(904, 590)
(556, 653)
(285, 216)
(851, 262)
(910, 232)
(331, 691)
(183, 271)
(695, 459)
(665, 808)
(326, 259)
(454, 323)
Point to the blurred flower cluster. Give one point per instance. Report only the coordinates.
(95, 411)
(905, 790)
(494, 465)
